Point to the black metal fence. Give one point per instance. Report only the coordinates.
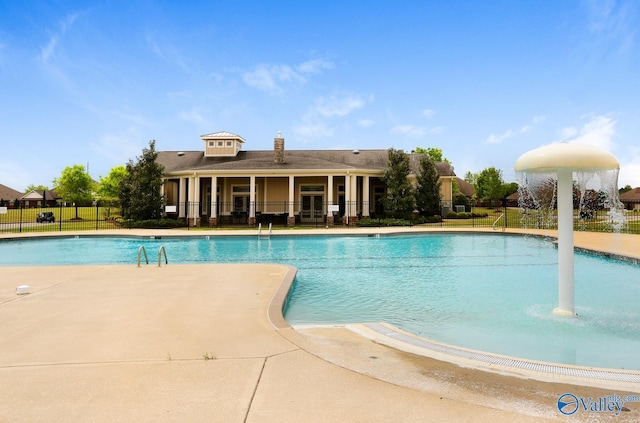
(59, 218)
(307, 215)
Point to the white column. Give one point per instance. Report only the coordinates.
(292, 189)
(565, 244)
(354, 194)
(194, 195)
(366, 206)
(214, 196)
(329, 193)
(347, 196)
(182, 198)
(252, 196)
(265, 195)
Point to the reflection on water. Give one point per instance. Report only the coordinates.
(489, 292)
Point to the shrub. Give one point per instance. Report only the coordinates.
(428, 219)
(465, 215)
(153, 224)
(383, 222)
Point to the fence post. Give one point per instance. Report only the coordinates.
(20, 227)
(473, 218)
(504, 210)
(97, 209)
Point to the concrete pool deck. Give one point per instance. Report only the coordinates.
(201, 343)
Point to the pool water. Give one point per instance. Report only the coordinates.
(488, 292)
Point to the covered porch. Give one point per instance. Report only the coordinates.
(280, 199)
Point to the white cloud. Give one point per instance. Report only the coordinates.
(366, 123)
(613, 22)
(193, 115)
(119, 147)
(48, 51)
(598, 131)
(269, 78)
(409, 130)
(538, 119)
(630, 170)
(510, 133)
(315, 129)
(272, 79)
(497, 139)
(338, 105)
(316, 122)
(568, 132)
(314, 66)
(428, 113)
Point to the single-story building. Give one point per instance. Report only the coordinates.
(48, 198)
(9, 197)
(631, 199)
(223, 182)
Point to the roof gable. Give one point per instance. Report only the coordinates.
(7, 193)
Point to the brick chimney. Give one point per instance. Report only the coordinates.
(278, 149)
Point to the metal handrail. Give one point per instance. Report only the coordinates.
(496, 222)
(140, 251)
(260, 231)
(161, 251)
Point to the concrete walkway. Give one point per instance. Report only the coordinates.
(190, 343)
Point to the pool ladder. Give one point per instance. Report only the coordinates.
(495, 224)
(260, 234)
(161, 252)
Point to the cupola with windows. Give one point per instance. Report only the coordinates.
(222, 144)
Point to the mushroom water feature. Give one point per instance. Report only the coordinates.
(556, 165)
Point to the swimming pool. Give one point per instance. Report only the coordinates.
(489, 292)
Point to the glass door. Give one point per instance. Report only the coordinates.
(312, 207)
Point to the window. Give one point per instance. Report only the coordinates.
(219, 143)
(212, 143)
(228, 143)
(241, 188)
(312, 188)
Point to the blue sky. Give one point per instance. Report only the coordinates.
(92, 82)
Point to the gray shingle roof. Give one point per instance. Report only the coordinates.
(293, 160)
(631, 195)
(7, 193)
(465, 187)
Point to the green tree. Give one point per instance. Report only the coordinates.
(38, 188)
(139, 192)
(427, 192)
(625, 189)
(459, 199)
(75, 186)
(509, 188)
(109, 186)
(489, 184)
(399, 201)
(471, 178)
(434, 153)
